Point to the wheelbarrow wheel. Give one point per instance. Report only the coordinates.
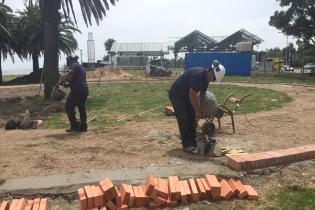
(208, 128)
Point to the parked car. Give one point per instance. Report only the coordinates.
(287, 68)
(309, 67)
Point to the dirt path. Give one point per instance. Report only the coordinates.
(48, 152)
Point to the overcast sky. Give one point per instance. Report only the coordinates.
(162, 20)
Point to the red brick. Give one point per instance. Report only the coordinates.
(214, 185)
(36, 204)
(160, 201)
(111, 205)
(29, 205)
(145, 198)
(82, 199)
(194, 191)
(171, 203)
(241, 190)
(183, 195)
(232, 186)
(43, 204)
(123, 207)
(174, 194)
(132, 198)
(187, 189)
(108, 188)
(163, 189)
(13, 204)
(226, 191)
(234, 162)
(177, 187)
(89, 196)
(125, 191)
(207, 188)
(5, 205)
(201, 190)
(154, 205)
(98, 196)
(252, 194)
(21, 204)
(150, 183)
(117, 198)
(137, 200)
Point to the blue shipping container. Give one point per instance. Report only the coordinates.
(235, 63)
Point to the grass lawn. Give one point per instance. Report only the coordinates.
(113, 101)
(10, 77)
(290, 198)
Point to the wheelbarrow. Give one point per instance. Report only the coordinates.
(208, 127)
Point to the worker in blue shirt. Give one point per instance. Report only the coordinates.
(187, 95)
(76, 80)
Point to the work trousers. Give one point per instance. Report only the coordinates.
(77, 98)
(186, 120)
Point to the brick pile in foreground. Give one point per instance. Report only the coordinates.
(23, 204)
(157, 193)
(271, 158)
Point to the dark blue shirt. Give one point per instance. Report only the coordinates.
(194, 78)
(78, 80)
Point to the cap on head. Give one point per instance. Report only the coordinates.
(70, 59)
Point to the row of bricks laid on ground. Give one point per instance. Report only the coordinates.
(157, 193)
(23, 204)
(271, 158)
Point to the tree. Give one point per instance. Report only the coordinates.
(6, 39)
(30, 35)
(108, 44)
(51, 16)
(297, 20)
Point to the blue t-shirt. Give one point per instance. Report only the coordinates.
(194, 78)
(78, 80)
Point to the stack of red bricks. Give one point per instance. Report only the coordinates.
(23, 204)
(271, 158)
(157, 193)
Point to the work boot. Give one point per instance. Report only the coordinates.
(83, 128)
(189, 149)
(71, 129)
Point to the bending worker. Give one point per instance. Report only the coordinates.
(187, 95)
(76, 80)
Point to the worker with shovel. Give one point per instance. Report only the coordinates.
(76, 80)
(187, 95)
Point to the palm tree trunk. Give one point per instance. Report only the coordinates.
(51, 19)
(36, 72)
(1, 80)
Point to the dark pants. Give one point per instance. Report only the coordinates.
(77, 98)
(186, 119)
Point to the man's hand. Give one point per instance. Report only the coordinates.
(200, 115)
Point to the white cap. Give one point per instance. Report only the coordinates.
(219, 72)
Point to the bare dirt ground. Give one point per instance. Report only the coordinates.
(49, 152)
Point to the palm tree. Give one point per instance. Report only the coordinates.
(6, 39)
(51, 16)
(30, 35)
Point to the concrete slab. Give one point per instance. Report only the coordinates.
(67, 184)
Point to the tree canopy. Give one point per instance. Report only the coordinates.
(108, 44)
(297, 19)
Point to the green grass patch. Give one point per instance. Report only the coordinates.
(7, 78)
(291, 198)
(113, 101)
(273, 78)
